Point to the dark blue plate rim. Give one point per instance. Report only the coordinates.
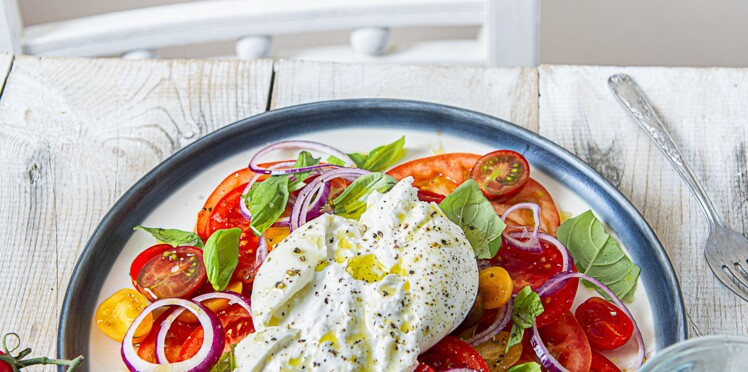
(114, 230)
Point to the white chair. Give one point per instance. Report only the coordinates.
(509, 30)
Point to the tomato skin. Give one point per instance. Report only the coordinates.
(604, 330)
(533, 192)
(439, 174)
(601, 364)
(428, 196)
(175, 273)
(501, 174)
(115, 315)
(176, 336)
(423, 368)
(231, 182)
(534, 269)
(5, 367)
(567, 343)
(143, 258)
(451, 352)
(237, 324)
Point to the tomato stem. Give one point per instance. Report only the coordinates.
(16, 362)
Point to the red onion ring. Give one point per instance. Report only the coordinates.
(307, 145)
(300, 210)
(541, 351)
(532, 244)
(502, 319)
(262, 251)
(208, 354)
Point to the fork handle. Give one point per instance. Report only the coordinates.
(636, 103)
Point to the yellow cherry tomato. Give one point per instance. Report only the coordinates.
(275, 235)
(115, 315)
(493, 353)
(495, 286)
(214, 304)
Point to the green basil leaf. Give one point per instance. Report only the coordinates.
(266, 202)
(352, 202)
(598, 255)
(527, 306)
(221, 255)
(469, 209)
(525, 367)
(227, 362)
(305, 159)
(380, 158)
(173, 237)
(334, 160)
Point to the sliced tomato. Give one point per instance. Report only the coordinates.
(176, 272)
(143, 258)
(533, 192)
(231, 182)
(423, 368)
(440, 174)
(237, 324)
(115, 315)
(606, 326)
(451, 352)
(501, 174)
(176, 336)
(567, 343)
(428, 196)
(602, 364)
(533, 269)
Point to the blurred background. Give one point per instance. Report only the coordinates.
(631, 32)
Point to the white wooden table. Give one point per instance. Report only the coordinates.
(76, 133)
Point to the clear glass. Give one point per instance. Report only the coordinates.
(709, 353)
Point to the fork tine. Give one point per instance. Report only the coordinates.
(727, 279)
(740, 274)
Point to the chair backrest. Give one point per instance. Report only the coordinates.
(510, 27)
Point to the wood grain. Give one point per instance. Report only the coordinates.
(705, 111)
(74, 135)
(508, 93)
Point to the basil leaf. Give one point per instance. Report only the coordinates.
(469, 209)
(598, 255)
(173, 237)
(334, 160)
(527, 306)
(266, 202)
(525, 367)
(352, 202)
(305, 159)
(227, 362)
(381, 157)
(221, 255)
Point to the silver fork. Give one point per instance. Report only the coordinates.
(726, 250)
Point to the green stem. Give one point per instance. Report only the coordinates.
(70, 364)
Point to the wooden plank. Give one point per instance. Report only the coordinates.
(508, 93)
(74, 135)
(706, 113)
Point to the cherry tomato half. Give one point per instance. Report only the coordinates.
(143, 258)
(501, 174)
(236, 322)
(534, 269)
(533, 192)
(606, 326)
(440, 174)
(493, 352)
(428, 196)
(601, 364)
(566, 341)
(177, 272)
(176, 336)
(451, 352)
(115, 315)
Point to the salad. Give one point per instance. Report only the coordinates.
(356, 261)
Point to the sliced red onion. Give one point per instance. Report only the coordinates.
(531, 244)
(306, 145)
(301, 207)
(541, 351)
(209, 353)
(502, 319)
(234, 298)
(262, 251)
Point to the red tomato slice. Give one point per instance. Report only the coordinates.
(501, 174)
(240, 177)
(428, 196)
(176, 272)
(533, 192)
(451, 352)
(177, 335)
(419, 368)
(440, 174)
(236, 322)
(606, 326)
(601, 364)
(143, 258)
(566, 341)
(534, 269)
